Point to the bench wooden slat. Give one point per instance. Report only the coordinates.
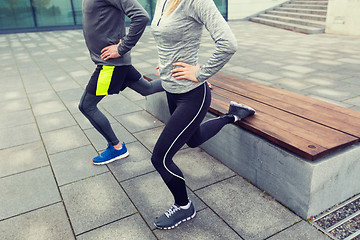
(333, 116)
(326, 137)
(285, 129)
(300, 149)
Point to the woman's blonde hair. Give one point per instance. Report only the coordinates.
(172, 7)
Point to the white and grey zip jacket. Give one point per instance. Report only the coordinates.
(178, 37)
(104, 25)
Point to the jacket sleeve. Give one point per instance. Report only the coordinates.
(205, 12)
(138, 21)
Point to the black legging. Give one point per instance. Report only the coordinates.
(88, 106)
(184, 126)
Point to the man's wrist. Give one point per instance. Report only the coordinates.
(117, 49)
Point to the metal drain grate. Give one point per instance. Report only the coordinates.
(342, 221)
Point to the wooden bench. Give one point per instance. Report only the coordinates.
(314, 149)
(306, 126)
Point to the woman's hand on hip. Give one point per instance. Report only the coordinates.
(110, 51)
(185, 71)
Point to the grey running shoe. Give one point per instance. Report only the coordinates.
(174, 216)
(240, 110)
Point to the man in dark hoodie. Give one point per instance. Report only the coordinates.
(109, 47)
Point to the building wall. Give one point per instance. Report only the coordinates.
(240, 9)
(343, 17)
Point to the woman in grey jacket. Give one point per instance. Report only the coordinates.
(109, 47)
(177, 27)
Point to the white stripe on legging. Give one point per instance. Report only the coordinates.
(202, 104)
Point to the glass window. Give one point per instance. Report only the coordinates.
(222, 6)
(78, 11)
(53, 12)
(147, 5)
(15, 14)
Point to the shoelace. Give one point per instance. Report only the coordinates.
(171, 211)
(104, 153)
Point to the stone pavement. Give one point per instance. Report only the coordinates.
(49, 188)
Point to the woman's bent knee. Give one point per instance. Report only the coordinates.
(192, 143)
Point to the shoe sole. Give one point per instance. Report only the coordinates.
(177, 224)
(125, 155)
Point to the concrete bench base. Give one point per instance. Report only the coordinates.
(305, 187)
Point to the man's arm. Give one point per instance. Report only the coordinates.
(139, 19)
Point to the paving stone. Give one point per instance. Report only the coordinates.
(37, 87)
(149, 137)
(289, 74)
(48, 107)
(354, 101)
(349, 60)
(291, 84)
(330, 93)
(10, 94)
(208, 169)
(263, 76)
(14, 105)
(130, 228)
(352, 89)
(138, 163)
(299, 69)
(99, 141)
(22, 158)
(11, 83)
(241, 70)
(54, 121)
(83, 122)
(76, 164)
(139, 121)
(300, 231)
(45, 96)
(261, 216)
(343, 104)
(14, 136)
(82, 72)
(152, 197)
(65, 85)
(321, 81)
(353, 80)
(71, 94)
(114, 99)
(14, 119)
(27, 191)
(132, 95)
(72, 106)
(329, 62)
(53, 74)
(43, 224)
(64, 139)
(141, 103)
(95, 201)
(120, 107)
(205, 226)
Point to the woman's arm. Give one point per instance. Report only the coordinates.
(206, 12)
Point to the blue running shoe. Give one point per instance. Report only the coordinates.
(111, 154)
